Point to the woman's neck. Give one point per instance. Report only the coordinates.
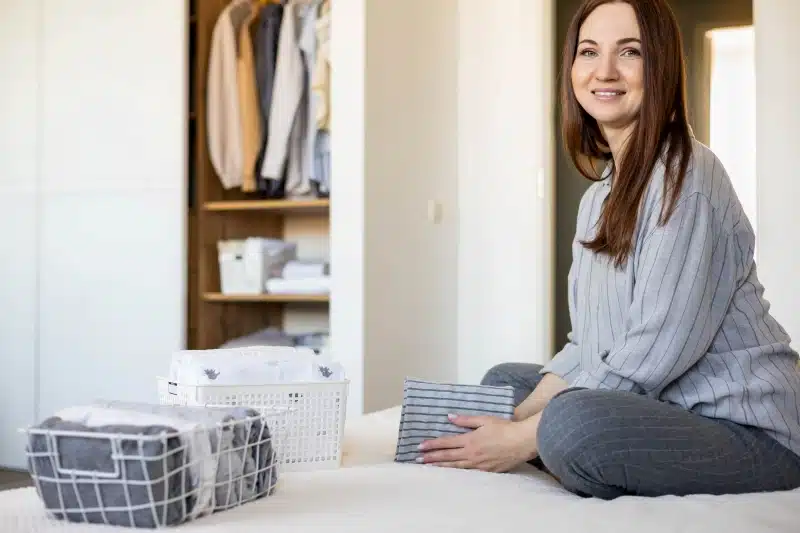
(617, 140)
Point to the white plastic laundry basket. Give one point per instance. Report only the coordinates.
(314, 424)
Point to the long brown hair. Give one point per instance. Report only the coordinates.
(662, 121)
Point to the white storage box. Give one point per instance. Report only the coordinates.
(246, 264)
(311, 438)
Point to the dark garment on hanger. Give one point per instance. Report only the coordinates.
(266, 43)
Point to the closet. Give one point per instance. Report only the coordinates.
(257, 71)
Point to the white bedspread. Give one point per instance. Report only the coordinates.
(372, 494)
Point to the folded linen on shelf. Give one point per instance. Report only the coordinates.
(147, 465)
(302, 269)
(314, 285)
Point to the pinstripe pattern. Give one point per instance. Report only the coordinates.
(426, 406)
(588, 441)
(685, 320)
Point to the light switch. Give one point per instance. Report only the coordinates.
(434, 211)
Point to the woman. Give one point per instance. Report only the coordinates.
(675, 379)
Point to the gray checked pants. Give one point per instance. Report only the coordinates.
(607, 444)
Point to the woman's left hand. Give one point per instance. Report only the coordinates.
(495, 445)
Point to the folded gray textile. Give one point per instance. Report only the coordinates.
(123, 504)
(245, 466)
(426, 404)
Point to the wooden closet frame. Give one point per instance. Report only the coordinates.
(214, 214)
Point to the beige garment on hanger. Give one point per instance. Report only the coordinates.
(321, 81)
(250, 112)
(223, 113)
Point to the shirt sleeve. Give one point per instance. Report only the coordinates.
(685, 280)
(567, 363)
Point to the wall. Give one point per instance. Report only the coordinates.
(694, 17)
(441, 221)
(394, 304)
(777, 116)
(93, 178)
(20, 54)
(505, 185)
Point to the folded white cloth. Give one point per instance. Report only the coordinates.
(253, 365)
(315, 285)
(298, 269)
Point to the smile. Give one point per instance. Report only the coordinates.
(606, 94)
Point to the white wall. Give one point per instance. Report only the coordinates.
(395, 139)
(20, 53)
(777, 117)
(452, 113)
(93, 100)
(505, 184)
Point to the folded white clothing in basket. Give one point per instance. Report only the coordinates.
(253, 365)
(427, 404)
(142, 465)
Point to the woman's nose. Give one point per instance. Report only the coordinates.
(607, 68)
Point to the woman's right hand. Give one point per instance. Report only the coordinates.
(548, 387)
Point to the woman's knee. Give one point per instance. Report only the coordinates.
(569, 440)
(511, 374)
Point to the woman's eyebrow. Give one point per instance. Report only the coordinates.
(625, 40)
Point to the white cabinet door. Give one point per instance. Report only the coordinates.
(112, 196)
(19, 54)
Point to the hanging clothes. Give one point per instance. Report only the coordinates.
(290, 145)
(249, 104)
(321, 79)
(320, 87)
(224, 123)
(266, 45)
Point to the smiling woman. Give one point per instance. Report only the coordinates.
(626, 97)
(675, 378)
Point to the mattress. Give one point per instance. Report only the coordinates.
(372, 493)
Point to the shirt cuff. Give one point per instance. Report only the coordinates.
(565, 365)
(605, 380)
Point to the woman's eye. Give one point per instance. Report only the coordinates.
(631, 52)
(587, 53)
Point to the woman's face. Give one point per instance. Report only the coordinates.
(608, 72)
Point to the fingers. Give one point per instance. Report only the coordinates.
(450, 441)
(472, 422)
(462, 465)
(444, 456)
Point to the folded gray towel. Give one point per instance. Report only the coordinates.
(246, 451)
(155, 493)
(142, 488)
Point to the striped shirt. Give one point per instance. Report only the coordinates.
(684, 320)
(426, 404)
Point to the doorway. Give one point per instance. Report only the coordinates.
(732, 109)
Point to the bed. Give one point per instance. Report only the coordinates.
(372, 494)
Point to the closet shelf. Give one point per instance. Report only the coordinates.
(278, 206)
(267, 298)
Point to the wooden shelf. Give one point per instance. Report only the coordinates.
(274, 298)
(278, 206)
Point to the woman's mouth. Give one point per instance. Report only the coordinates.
(607, 94)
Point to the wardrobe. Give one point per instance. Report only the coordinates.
(435, 228)
(92, 178)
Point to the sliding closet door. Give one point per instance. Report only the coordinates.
(112, 196)
(19, 54)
